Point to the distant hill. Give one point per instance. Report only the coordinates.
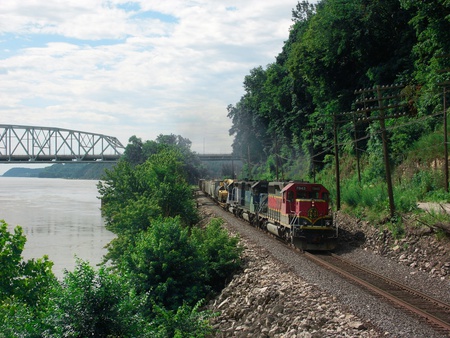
(88, 171)
(23, 172)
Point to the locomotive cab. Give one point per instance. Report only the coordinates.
(299, 212)
(258, 201)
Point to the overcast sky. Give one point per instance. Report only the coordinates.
(144, 68)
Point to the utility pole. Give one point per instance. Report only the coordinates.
(386, 100)
(336, 159)
(358, 166)
(444, 83)
(386, 153)
(445, 143)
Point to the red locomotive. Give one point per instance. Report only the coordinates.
(298, 212)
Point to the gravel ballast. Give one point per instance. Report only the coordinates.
(279, 293)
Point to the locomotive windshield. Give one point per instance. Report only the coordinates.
(290, 196)
(302, 194)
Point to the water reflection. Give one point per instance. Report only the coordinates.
(61, 218)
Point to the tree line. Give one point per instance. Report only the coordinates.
(283, 125)
(158, 270)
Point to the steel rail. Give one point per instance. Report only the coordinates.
(439, 323)
(435, 322)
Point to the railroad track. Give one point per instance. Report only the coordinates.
(427, 309)
(431, 310)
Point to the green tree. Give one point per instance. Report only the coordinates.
(165, 265)
(431, 23)
(185, 322)
(134, 153)
(134, 196)
(90, 303)
(220, 253)
(137, 152)
(334, 48)
(26, 281)
(24, 287)
(164, 179)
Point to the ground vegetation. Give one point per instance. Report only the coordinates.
(158, 272)
(320, 103)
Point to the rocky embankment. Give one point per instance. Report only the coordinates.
(420, 248)
(270, 298)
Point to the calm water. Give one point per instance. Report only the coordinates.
(60, 218)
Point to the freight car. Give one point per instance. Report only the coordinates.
(297, 212)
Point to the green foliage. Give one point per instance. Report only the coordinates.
(369, 196)
(25, 281)
(150, 207)
(103, 303)
(396, 228)
(91, 303)
(219, 252)
(18, 319)
(24, 287)
(137, 152)
(426, 149)
(133, 151)
(334, 48)
(118, 186)
(165, 265)
(426, 181)
(159, 182)
(163, 177)
(160, 271)
(405, 200)
(431, 22)
(185, 322)
(134, 196)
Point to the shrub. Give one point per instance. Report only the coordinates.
(91, 303)
(219, 252)
(165, 265)
(185, 322)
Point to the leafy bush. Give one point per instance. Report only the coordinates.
(427, 181)
(366, 196)
(18, 319)
(185, 322)
(220, 253)
(91, 303)
(351, 194)
(24, 287)
(405, 201)
(28, 280)
(165, 265)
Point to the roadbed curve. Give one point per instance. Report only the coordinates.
(386, 320)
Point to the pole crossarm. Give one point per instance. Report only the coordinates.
(45, 144)
(378, 104)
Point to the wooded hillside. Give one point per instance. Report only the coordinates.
(339, 52)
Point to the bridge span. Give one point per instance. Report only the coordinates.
(218, 157)
(19, 144)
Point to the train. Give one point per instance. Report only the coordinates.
(297, 212)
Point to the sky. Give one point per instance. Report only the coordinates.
(144, 68)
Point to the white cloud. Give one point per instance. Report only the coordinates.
(143, 68)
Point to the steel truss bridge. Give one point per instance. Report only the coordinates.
(43, 144)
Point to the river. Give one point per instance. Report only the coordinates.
(60, 218)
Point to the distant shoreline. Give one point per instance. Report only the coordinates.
(87, 171)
